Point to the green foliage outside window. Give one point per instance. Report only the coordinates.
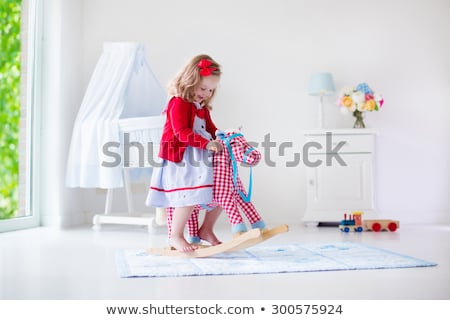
(10, 12)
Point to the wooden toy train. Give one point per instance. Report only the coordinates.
(355, 223)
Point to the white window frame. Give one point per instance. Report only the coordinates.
(31, 86)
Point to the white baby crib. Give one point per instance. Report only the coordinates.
(139, 149)
(123, 98)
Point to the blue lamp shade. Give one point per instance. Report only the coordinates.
(321, 84)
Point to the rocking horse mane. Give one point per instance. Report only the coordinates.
(224, 156)
(244, 152)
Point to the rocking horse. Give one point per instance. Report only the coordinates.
(228, 193)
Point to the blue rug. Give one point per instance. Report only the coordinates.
(267, 259)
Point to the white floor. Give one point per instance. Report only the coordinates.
(79, 263)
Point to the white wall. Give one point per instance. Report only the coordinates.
(268, 49)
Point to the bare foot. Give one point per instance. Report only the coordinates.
(209, 236)
(182, 245)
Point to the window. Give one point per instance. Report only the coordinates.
(19, 55)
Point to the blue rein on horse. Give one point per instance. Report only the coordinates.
(227, 141)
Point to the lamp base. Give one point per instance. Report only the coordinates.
(320, 122)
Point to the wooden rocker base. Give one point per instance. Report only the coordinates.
(245, 240)
(265, 235)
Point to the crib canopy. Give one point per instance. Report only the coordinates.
(122, 86)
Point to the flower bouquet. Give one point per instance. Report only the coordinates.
(358, 100)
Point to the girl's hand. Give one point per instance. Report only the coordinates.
(214, 146)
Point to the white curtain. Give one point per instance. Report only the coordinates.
(122, 86)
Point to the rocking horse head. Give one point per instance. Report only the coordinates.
(237, 147)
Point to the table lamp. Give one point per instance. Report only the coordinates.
(321, 84)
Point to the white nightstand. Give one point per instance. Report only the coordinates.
(339, 174)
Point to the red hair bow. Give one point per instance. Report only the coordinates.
(205, 67)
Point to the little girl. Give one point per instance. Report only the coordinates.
(185, 177)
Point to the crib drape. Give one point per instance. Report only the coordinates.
(122, 86)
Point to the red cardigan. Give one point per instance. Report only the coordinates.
(177, 132)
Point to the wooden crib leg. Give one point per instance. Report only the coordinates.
(160, 217)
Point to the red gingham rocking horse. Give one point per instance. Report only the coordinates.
(228, 191)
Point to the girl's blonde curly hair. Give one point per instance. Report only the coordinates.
(188, 79)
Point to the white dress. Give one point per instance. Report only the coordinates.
(185, 183)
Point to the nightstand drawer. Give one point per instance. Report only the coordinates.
(350, 143)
